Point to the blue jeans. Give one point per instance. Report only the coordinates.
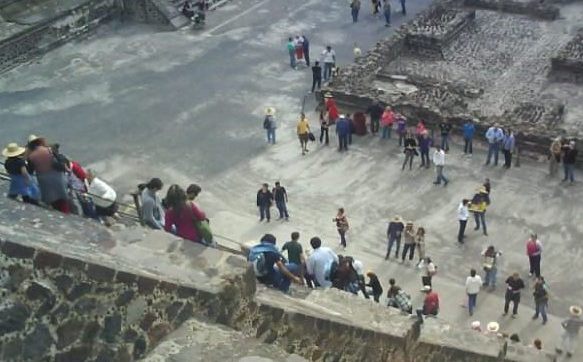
(480, 217)
(328, 70)
(440, 176)
(386, 132)
(472, 298)
(392, 240)
(343, 142)
(264, 212)
(292, 59)
(569, 172)
(493, 149)
(387, 16)
(282, 208)
(445, 142)
(271, 135)
(541, 308)
(355, 15)
(280, 281)
(490, 277)
(403, 9)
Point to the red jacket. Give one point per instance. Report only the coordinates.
(533, 247)
(332, 110)
(431, 303)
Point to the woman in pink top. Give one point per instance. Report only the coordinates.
(182, 214)
(387, 120)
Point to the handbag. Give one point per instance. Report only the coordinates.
(311, 137)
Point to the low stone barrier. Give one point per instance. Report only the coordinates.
(538, 9)
(568, 64)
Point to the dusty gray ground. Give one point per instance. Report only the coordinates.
(135, 103)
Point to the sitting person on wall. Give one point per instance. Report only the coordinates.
(187, 9)
(182, 215)
(21, 182)
(104, 196)
(270, 267)
(430, 304)
(152, 210)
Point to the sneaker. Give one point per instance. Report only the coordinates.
(504, 314)
(534, 317)
(514, 316)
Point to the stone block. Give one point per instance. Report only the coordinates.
(41, 290)
(126, 278)
(12, 350)
(38, 343)
(81, 353)
(17, 251)
(13, 316)
(167, 287)
(125, 298)
(186, 292)
(147, 321)
(47, 260)
(63, 283)
(91, 331)
(130, 335)
(100, 273)
(140, 347)
(157, 332)
(146, 285)
(111, 328)
(173, 309)
(186, 313)
(86, 305)
(79, 290)
(69, 332)
(73, 264)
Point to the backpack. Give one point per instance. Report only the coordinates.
(257, 258)
(266, 123)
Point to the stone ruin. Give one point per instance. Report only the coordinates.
(460, 60)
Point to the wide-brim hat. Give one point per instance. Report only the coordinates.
(398, 218)
(327, 95)
(269, 111)
(476, 325)
(575, 310)
(409, 223)
(33, 137)
(493, 327)
(13, 150)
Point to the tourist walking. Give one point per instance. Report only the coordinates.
(269, 124)
(541, 299)
(324, 126)
(513, 287)
(316, 76)
(429, 272)
(403, 8)
(469, 129)
(571, 327)
(153, 214)
(280, 196)
(534, 249)
(445, 129)
(555, 155)
(21, 182)
(341, 225)
(494, 136)
(401, 123)
(409, 244)
(387, 120)
(270, 267)
(303, 131)
(306, 48)
(355, 9)
(342, 130)
(375, 110)
(425, 143)
(473, 285)
(376, 6)
(394, 232)
(478, 206)
(462, 215)
(331, 108)
(508, 148)
(439, 162)
(387, 12)
(291, 49)
(410, 150)
(489, 258)
(420, 241)
(321, 264)
(329, 59)
(569, 159)
(264, 202)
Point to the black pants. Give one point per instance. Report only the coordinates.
(468, 145)
(307, 58)
(426, 280)
(342, 234)
(514, 298)
(408, 157)
(534, 264)
(460, 234)
(374, 125)
(324, 133)
(425, 158)
(408, 248)
(343, 142)
(106, 211)
(507, 158)
(317, 81)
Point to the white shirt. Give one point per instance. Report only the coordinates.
(473, 284)
(462, 212)
(328, 56)
(107, 195)
(439, 158)
(357, 264)
(318, 262)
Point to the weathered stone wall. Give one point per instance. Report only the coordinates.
(535, 8)
(568, 64)
(63, 309)
(45, 36)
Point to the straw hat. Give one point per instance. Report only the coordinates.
(476, 325)
(493, 327)
(327, 95)
(426, 289)
(13, 150)
(269, 111)
(575, 311)
(397, 218)
(33, 137)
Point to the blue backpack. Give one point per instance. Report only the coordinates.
(257, 258)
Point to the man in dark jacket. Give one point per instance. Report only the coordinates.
(394, 232)
(316, 76)
(375, 110)
(425, 143)
(514, 286)
(280, 196)
(306, 46)
(342, 130)
(264, 201)
(445, 128)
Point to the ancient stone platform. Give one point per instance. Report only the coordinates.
(568, 63)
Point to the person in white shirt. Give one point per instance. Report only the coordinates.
(494, 136)
(319, 264)
(329, 59)
(462, 215)
(104, 196)
(473, 285)
(439, 162)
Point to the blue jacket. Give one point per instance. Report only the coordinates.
(306, 45)
(342, 127)
(425, 143)
(469, 130)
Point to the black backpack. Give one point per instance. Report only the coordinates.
(266, 122)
